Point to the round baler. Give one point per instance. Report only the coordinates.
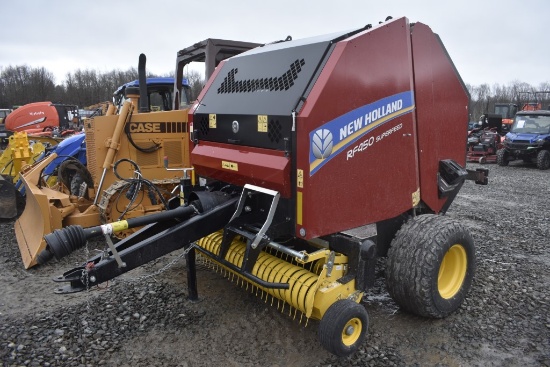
(306, 140)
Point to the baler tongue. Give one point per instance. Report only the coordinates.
(161, 234)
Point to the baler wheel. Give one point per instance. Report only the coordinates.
(431, 264)
(543, 160)
(502, 157)
(343, 328)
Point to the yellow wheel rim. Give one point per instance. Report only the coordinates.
(352, 331)
(452, 271)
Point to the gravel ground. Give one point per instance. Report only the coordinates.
(144, 320)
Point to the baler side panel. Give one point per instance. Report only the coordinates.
(369, 173)
(441, 111)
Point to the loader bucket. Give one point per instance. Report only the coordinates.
(38, 218)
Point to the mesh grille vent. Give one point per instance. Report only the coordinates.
(274, 131)
(204, 127)
(147, 159)
(283, 82)
(174, 152)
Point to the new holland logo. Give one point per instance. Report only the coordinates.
(335, 136)
(322, 143)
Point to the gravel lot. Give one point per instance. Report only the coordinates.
(141, 320)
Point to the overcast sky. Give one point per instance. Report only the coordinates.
(490, 41)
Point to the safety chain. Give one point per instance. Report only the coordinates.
(161, 270)
(87, 278)
(84, 321)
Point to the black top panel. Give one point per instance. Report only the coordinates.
(268, 80)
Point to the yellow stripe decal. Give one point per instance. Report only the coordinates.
(335, 136)
(357, 134)
(299, 208)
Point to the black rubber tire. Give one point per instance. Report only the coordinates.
(502, 157)
(415, 261)
(71, 173)
(543, 160)
(337, 320)
(10, 198)
(20, 202)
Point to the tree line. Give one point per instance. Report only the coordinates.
(483, 97)
(23, 84)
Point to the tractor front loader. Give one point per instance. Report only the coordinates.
(300, 141)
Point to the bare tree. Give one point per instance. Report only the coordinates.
(196, 82)
(484, 97)
(23, 84)
(88, 87)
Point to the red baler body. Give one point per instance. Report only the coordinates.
(359, 143)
